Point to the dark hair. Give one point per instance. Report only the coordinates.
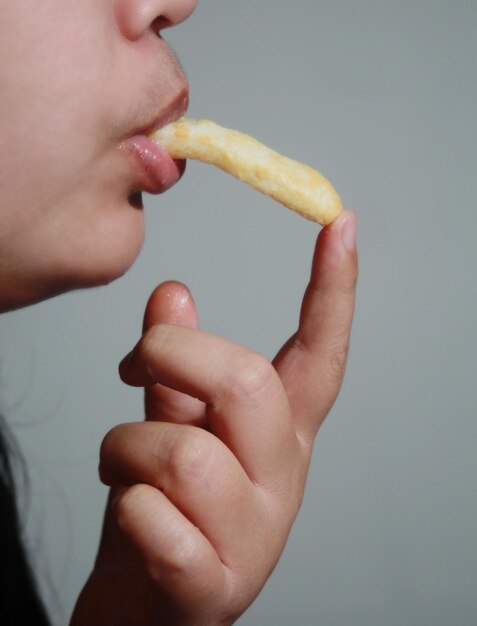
(20, 602)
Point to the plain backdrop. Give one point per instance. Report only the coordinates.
(381, 97)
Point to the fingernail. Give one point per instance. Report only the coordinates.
(348, 233)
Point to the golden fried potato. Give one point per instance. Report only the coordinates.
(297, 186)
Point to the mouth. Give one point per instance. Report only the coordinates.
(155, 170)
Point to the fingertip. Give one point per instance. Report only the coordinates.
(170, 288)
(171, 302)
(336, 242)
(346, 219)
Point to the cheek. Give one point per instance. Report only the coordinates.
(65, 83)
(54, 60)
(54, 143)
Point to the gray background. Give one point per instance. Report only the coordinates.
(381, 96)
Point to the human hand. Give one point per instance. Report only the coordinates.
(205, 491)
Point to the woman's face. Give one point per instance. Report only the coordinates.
(81, 83)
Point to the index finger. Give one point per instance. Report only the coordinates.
(312, 363)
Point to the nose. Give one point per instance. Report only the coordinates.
(135, 17)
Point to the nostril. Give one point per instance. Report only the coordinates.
(137, 17)
(159, 23)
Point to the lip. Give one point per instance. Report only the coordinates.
(155, 170)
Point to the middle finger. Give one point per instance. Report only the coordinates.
(196, 472)
(247, 407)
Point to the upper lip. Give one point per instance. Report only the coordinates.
(172, 111)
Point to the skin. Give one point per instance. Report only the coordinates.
(69, 96)
(205, 490)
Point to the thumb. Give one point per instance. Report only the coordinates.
(171, 303)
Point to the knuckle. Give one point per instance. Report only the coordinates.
(104, 474)
(337, 359)
(186, 557)
(109, 443)
(153, 339)
(109, 451)
(251, 375)
(189, 456)
(126, 503)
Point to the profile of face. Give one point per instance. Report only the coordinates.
(81, 86)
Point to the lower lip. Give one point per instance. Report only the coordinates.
(157, 170)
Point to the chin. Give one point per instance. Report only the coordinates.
(84, 247)
(89, 258)
(106, 256)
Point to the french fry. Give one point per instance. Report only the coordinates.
(293, 184)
